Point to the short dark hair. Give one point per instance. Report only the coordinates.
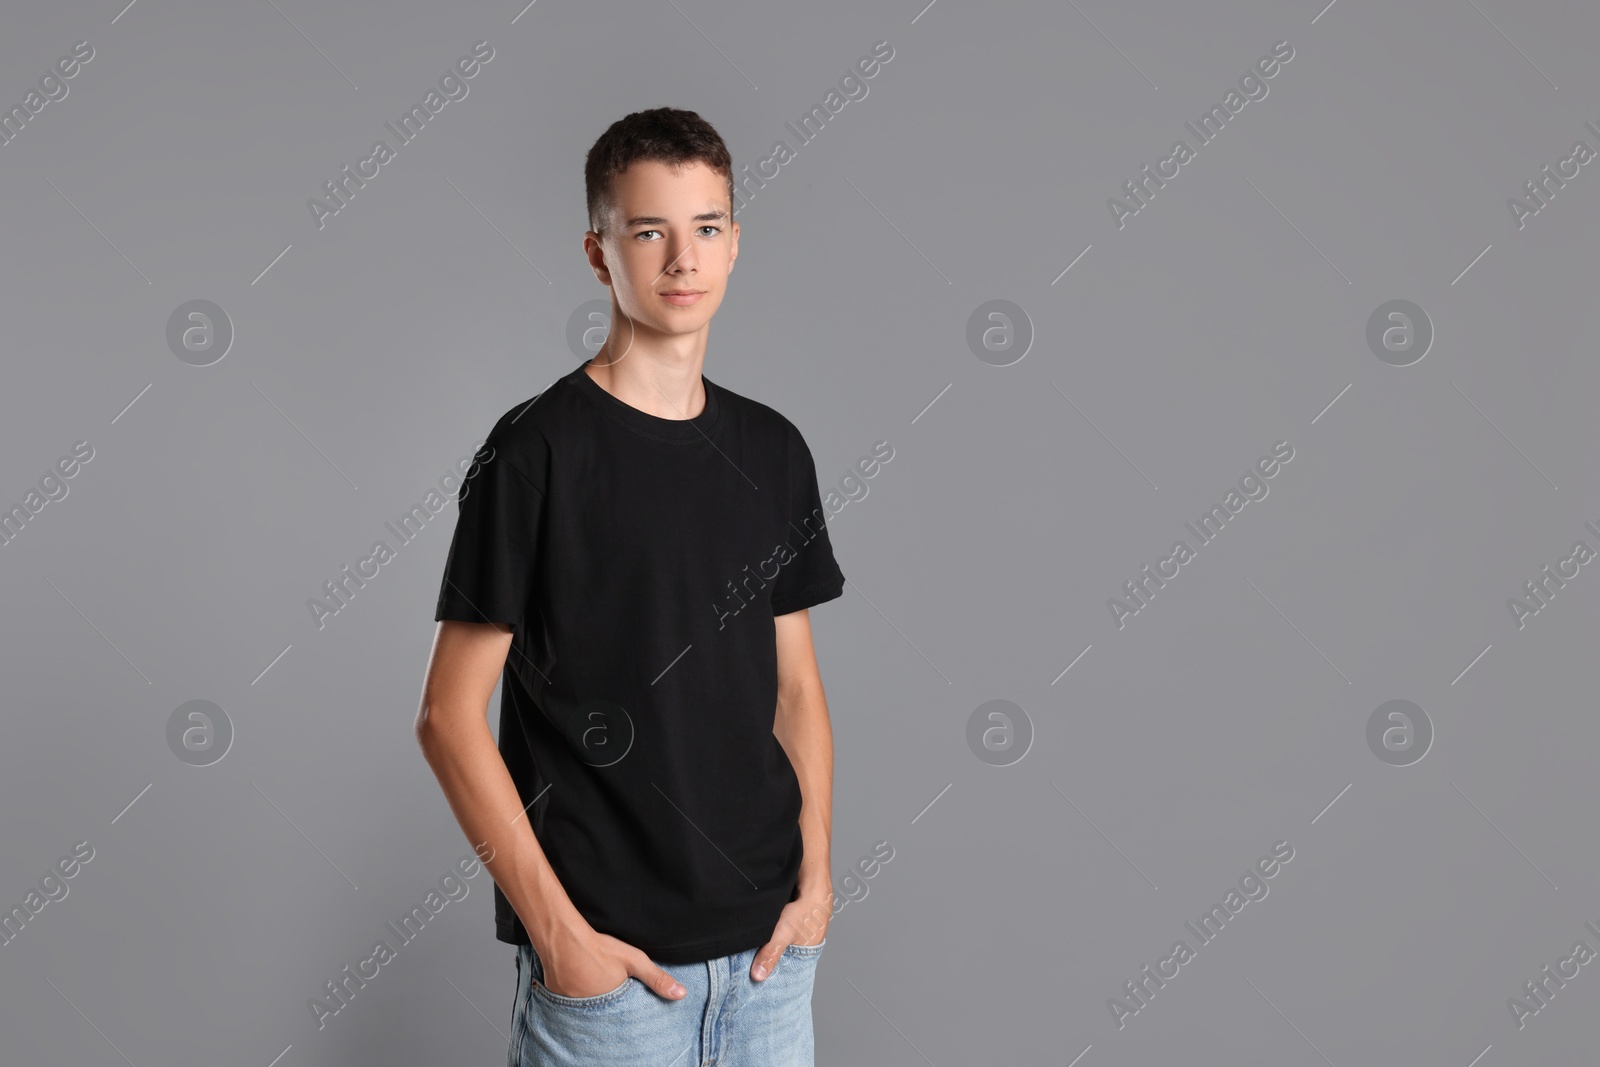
(665, 134)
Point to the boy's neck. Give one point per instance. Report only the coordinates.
(660, 380)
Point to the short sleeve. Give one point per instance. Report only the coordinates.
(487, 575)
(811, 575)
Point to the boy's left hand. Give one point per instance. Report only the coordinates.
(803, 921)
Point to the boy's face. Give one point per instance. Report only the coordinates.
(667, 231)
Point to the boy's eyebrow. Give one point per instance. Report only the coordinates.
(656, 220)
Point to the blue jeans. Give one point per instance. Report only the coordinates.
(727, 1019)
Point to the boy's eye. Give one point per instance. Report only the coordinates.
(657, 233)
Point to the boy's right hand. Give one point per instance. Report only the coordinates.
(587, 963)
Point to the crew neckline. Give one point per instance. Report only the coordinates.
(645, 423)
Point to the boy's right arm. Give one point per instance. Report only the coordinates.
(452, 728)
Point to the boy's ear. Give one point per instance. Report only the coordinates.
(594, 252)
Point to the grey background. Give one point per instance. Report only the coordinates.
(1227, 315)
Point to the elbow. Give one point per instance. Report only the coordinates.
(800, 693)
(441, 723)
(425, 729)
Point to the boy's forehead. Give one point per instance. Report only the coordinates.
(650, 185)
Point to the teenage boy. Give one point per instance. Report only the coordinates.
(634, 559)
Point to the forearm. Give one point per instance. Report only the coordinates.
(802, 727)
(483, 796)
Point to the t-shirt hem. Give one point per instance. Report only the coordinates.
(807, 598)
(692, 952)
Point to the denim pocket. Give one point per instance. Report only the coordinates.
(598, 1000)
(805, 951)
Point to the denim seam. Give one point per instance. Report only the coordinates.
(806, 950)
(580, 1003)
(519, 1032)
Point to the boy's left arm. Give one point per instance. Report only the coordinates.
(802, 727)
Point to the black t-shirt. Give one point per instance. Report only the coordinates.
(641, 561)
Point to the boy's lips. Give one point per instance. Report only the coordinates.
(683, 297)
